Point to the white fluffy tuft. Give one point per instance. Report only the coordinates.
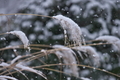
(91, 52)
(113, 40)
(21, 35)
(73, 30)
(68, 58)
(109, 39)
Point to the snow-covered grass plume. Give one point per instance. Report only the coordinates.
(94, 56)
(109, 39)
(3, 77)
(112, 40)
(19, 66)
(21, 35)
(71, 28)
(68, 57)
(26, 68)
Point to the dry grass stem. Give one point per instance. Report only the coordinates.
(94, 68)
(25, 14)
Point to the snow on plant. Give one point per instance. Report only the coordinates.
(109, 39)
(13, 61)
(19, 66)
(2, 77)
(3, 64)
(26, 68)
(21, 35)
(68, 57)
(112, 40)
(116, 46)
(71, 28)
(85, 78)
(91, 52)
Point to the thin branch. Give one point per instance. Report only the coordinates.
(93, 40)
(58, 71)
(26, 14)
(40, 45)
(48, 65)
(3, 33)
(95, 44)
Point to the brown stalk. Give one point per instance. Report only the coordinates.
(25, 14)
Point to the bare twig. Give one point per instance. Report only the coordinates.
(25, 14)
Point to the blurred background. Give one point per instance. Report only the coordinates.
(95, 17)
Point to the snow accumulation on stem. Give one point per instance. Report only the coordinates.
(31, 70)
(109, 39)
(73, 30)
(91, 52)
(113, 40)
(2, 77)
(93, 55)
(21, 35)
(85, 78)
(3, 64)
(68, 57)
(13, 61)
